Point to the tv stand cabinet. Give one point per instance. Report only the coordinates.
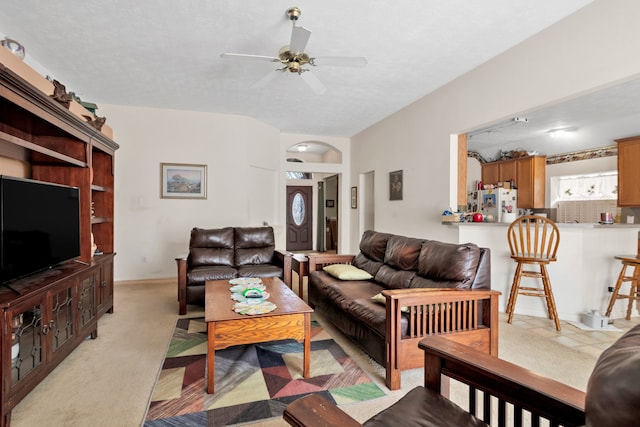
(57, 309)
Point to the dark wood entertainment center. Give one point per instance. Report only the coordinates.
(59, 308)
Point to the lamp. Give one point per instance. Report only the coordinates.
(302, 147)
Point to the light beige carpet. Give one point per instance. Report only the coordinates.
(109, 381)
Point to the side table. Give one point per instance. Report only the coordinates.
(300, 264)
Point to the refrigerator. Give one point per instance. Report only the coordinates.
(493, 203)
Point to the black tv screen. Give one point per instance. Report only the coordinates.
(39, 226)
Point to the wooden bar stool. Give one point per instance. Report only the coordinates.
(533, 240)
(627, 261)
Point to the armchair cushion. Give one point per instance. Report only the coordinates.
(425, 408)
(254, 245)
(347, 272)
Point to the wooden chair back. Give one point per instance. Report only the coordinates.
(533, 238)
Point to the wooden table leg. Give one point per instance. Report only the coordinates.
(306, 370)
(211, 356)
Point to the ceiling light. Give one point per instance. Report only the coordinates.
(558, 133)
(302, 147)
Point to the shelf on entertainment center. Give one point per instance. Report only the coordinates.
(99, 220)
(5, 137)
(98, 188)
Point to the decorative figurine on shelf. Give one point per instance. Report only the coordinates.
(60, 94)
(94, 247)
(96, 122)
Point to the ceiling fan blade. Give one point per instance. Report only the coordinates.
(268, 78)
(249, 57)
(340, 61)
(314, 82)
(299, 38)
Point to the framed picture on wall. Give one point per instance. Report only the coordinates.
(183, 181)
(395, 185)
(354, 197)
(330, 203)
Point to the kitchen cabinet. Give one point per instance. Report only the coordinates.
(629, 172)
(531, 175)
(527, 173)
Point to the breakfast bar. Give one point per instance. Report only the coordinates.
(580, 278)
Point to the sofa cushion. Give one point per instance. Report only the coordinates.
(370, 266)
(259, 270)
(394, 279)
(447, 265)
(347, 272)
(254, 245)
(199, 275)
(613, 391)
(422, 407)
(373, 245)
(402, 252)
(211, 247)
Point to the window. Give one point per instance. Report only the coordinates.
(598, 186)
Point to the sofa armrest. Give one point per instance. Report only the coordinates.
(316, 410)
(316, 262)
(182, 284)
(508, 383)
(283, 258)
(468, 316)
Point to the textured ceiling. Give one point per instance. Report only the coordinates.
(166, 54)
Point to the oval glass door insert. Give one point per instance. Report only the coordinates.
(298, 209)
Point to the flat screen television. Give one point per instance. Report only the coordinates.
(39, 226)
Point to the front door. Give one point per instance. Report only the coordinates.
(299, 219)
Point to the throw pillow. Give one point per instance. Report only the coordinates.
(381, 299)
(347, 272)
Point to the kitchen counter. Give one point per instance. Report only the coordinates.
(585, 268)
(559, 224)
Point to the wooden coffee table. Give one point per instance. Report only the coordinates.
(290, 320)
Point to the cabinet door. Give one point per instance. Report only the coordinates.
(490, 173)
(629, 172)
(105, 287)
(531, 182)
(508, 170)
(60, 320)
(23, 356)
(88, 286)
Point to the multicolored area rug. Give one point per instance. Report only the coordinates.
(253, 382)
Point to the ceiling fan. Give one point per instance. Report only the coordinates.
(293, 57)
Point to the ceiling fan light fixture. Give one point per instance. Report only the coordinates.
(294, 13)
(561, 133)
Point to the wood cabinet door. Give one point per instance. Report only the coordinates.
(490, 173)
(629, 172)
(531, 182)
(508, 170)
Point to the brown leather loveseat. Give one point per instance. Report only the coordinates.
(227, 253)
(428, 287)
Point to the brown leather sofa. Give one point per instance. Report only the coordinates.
(227, 253)
(612, 396)
(430, 287)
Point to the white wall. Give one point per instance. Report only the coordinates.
(243, 168)
(584, 52)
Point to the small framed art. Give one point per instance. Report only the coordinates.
(354, 197)
(395, 185)
(183, 181)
